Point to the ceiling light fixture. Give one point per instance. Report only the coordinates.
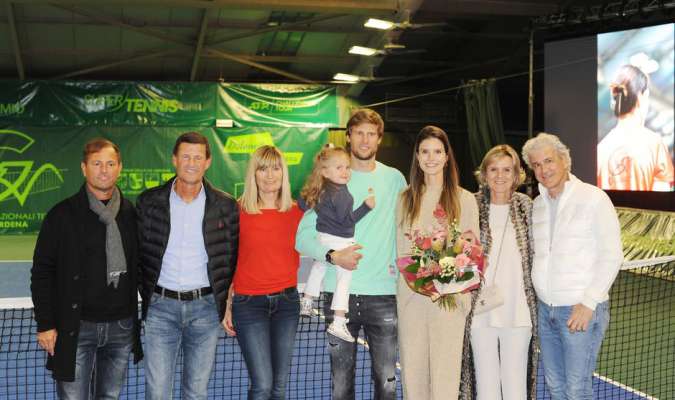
(346, 77)
(379, 24)
(363, 51)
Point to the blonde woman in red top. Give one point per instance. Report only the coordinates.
(265, 306)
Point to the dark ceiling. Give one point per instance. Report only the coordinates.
(445, 41)
(259, 40)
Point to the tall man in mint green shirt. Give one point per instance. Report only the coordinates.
(372, 300)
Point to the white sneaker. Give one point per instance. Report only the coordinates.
(340, 330)
(306, 304)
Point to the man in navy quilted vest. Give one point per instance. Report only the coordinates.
(189, 234)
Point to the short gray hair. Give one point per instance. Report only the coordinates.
(542, 140)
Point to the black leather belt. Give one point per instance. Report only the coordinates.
(288, 290)
(187, 295)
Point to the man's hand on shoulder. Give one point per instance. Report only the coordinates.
(580, 318)
(47, 340)
(347, 258)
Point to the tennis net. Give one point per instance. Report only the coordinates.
(637, 359)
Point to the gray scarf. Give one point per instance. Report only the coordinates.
(114, 251)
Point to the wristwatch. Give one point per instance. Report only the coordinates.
(329, 256)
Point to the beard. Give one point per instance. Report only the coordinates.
(364, 157)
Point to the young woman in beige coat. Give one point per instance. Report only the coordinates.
(431, 338)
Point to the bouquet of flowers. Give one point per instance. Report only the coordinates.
(443, 261)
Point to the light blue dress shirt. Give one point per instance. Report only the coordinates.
(184, 265)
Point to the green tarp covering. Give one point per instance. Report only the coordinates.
(44, 103)
(44, 125)
(281, 105)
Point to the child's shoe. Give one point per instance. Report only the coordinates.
(306, 304)
(339, 329)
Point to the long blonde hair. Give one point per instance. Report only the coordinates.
(411, 198)
(265, 157)
(316, 182)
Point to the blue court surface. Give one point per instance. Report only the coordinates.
(23, 376)
(14, 279)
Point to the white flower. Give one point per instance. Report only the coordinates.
(447, 266)
(447, 262)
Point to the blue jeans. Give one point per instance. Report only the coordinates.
(173, 325)
(102, 350)
(569, 357)
(266, 326)
(377, 316)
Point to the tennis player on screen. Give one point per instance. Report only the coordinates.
(631, 156)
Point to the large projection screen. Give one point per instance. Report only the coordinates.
(627, 151)
(635, 109)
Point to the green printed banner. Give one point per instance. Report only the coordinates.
(149, 104)
(80, 103)
(278, 105)
(44, 124)
(17, 101)
(40, 166)
(298, 145)
(108, 103)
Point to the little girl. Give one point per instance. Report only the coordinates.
(326, 192)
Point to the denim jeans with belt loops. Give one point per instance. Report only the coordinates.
(569, 357)
(266, 326)
(103, 350)
(376, 314)
(192, 326)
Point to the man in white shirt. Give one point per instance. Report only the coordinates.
(578, 253)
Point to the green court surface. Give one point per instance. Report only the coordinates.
(638, 348)
(19, 247)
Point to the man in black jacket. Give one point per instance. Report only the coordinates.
(189, 232)
(84, 282)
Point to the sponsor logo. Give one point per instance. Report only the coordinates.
(135, 180)
(282, 106)
(247, 144)
(7, 109)
(12, 220)
(118, 102)
(276, 107)
(19, 179)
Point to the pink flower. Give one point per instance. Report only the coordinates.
(476, 257)
(422, 273)
(418, 241)
(403, 262)
(462, 260)
(439, 213)
(423, 243)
